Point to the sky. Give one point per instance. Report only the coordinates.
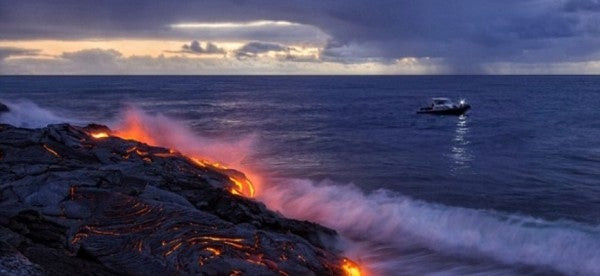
(300, 37)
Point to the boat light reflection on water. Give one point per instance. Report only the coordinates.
(460, 155)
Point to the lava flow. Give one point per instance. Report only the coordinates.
(242, 186)
(136, 128)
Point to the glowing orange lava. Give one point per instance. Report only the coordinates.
(99, 135)
(350, 268)
(240, 188)
(215, 252)
(134, 129)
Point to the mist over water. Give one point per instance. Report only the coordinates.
(393, 228)
(25, 113)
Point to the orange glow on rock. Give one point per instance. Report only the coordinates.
(53, 152)
(214, 251)
(350, 268)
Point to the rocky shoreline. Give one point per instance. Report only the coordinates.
(71, 203)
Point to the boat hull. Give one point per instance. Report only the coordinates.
(450, 111)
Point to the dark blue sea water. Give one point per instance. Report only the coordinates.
(525, 161)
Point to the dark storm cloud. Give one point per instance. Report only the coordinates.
(251, 49)
(73, 19)
(582, 5)
(465, 34)
(286, 53)
(195, 48)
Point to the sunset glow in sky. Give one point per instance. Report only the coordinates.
(300, 37)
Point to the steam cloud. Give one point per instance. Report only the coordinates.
(24, 113)
(166, 132)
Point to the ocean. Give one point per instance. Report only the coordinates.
(513, 187)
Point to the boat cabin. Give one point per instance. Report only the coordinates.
(441, 103)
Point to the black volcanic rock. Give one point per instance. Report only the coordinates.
(4, 108)
(72, 204)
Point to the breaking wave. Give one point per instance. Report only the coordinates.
(383, 230)
(385, 218)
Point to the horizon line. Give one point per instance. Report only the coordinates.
(279, 75)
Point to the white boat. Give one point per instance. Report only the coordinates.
(445, 106)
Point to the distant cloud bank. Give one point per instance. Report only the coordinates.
(311, 36)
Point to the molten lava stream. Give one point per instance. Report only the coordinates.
(99, 135)
(134, 130)
(350, 268)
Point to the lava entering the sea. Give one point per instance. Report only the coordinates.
(133, 128)
(241, 185)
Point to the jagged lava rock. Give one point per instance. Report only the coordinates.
(4, 108)
(73, 204)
